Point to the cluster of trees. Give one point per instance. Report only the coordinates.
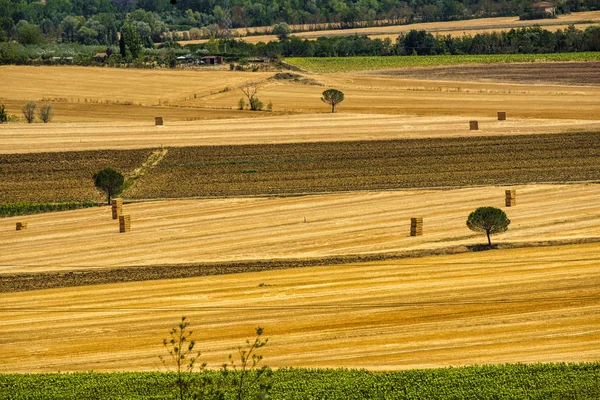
(131, 47)
(98, 21)
(45, 113)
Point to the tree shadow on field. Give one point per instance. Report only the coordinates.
(482, 247)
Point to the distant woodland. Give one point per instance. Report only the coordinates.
(97, 22)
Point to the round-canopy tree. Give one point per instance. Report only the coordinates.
(333, 97)
(109, 181)
(489, 220)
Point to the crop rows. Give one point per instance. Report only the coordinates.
(515, 381)
(371, 165)
(347, 64)
(307, 167)
(60, 177)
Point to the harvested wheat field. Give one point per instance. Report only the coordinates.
(116, 85)
(369, 94)
(102, 94)
(77, 112)
(493, 307)
(26, 138)
(455, 28)
(222, 230)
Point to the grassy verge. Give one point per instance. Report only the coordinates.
(348, 64)
(24, 208)
(510, 381)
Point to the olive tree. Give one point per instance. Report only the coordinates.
(490, 220)
(109, 181)
(333, 97)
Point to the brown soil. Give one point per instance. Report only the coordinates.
(56, 177)
(371, 165)
(559, 73)
(308, 167)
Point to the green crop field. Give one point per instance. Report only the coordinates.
(347, 64)
(511, 381)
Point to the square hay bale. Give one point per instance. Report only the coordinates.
(158, 121)
(21, 226)
(117, 208)
(501, 115)
(511, 198)
(124, 223)
(416, 226)
(473, 125)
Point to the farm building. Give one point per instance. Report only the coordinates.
(212, 60)
(544, 7)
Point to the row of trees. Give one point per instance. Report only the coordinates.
(45, 113)
(419, 42)
(131, 47)
(97, 21)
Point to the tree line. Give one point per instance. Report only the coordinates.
(527, 40)
(98, 21)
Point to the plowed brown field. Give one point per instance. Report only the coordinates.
(568, 73)
(60, 177)
(525, 305)
(308, 167)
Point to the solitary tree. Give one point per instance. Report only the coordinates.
(46, 113)
(29, 111)
(489, 220)
(333, 97)
(250, 90)
(109, 181)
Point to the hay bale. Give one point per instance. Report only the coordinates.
(158, 121)
(124, 223)
(117, 208)
(21, 226)
(501, 115)
(416, 226)
(473, 125)
(511, 198)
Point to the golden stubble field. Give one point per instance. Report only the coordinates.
(234, 229)
(100, 94)
(520, 305)
(455, 28)
(327, 127)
